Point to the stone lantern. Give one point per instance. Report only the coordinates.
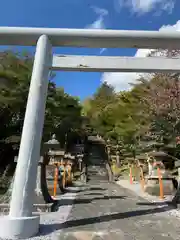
(55, 156)
(159, 165)
(79, 153)
(49, 155)
(52, 144)
(52, 147)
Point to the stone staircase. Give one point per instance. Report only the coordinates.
(96, 169)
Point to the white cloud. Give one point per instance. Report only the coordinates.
(169, 6)
(144, 6)
(99, 22)
(100, 11)
(120, 81)
(175, 27)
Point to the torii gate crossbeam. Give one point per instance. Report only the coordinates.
(115, 64)
(20, 223)
(91, 38)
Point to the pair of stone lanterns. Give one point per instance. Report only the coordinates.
(63, 162)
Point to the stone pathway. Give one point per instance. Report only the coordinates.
(108, 211)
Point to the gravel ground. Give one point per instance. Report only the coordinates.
(105, 211)
(136, 188)
(113, 212)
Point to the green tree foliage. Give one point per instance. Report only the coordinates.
(97, 112)
(148, 113)
(115, 115)
(63, 112)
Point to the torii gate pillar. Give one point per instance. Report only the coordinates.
(20, 223)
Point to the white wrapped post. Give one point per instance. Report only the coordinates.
(20, 223)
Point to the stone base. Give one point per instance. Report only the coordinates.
(19, 228)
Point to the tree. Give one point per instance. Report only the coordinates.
(162, 101)
(62, 115)
(97, 109)
(149, 112)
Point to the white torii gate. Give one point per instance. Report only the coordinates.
(20, 223)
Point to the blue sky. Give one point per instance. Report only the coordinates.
(103, 14)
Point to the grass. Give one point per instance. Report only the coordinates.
(117, 171)
(124, 171)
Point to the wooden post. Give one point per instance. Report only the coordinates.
(55, 181)
(142, 178)
(69, 173)
(64, 177)
(161, 192)
(130, 175)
